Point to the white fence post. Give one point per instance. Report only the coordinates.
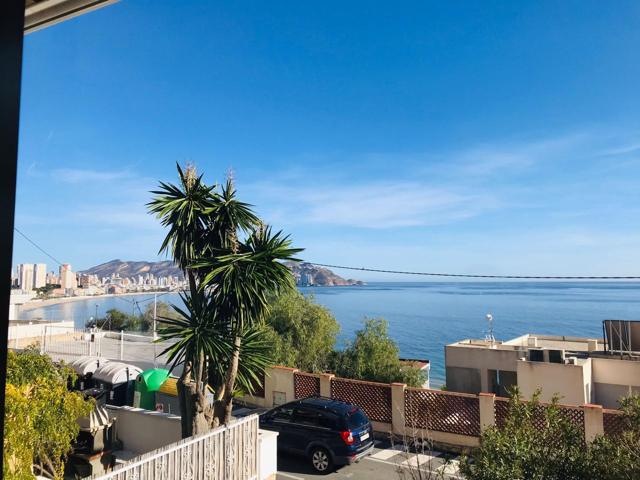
(487, 410)
(593, 422)
(121, 344)
(398, 414)
(43, 346)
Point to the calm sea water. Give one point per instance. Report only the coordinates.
(423, 317)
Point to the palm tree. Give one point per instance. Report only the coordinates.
(183, 209)
(233, 263)
(242, 282)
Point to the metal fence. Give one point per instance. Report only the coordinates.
(226, 453)
(68, 343)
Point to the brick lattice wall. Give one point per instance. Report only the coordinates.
(305, 385)
(442, 411)
(613, 422)
(574, 414)
(501, 410)
(373, 398)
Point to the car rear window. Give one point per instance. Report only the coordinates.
(356, 419)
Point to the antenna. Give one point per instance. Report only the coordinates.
(489, 338)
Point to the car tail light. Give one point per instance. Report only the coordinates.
(347, 437)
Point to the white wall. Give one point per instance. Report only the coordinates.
(571, 382)
(268, 451)
(483, 359)
(143, 430)
(35, 330)
(614, 378)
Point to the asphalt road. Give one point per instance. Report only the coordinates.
(386, 463)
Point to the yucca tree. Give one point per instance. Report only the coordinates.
(195, 336)
(233, 263)
(184, 210)
(242, 282)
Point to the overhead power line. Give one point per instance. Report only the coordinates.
(405, 272)
(467, 275)
(38, 247)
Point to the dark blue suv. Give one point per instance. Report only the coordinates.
(328, 432)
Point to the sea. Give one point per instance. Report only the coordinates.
(424, 317)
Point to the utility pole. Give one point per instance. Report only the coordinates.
(155, 312)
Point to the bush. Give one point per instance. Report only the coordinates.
(374, 356)
(619, 457)
(116, 320)
(521, 450)
(40, 416)
(302, 332)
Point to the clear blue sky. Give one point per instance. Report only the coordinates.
(490, 137)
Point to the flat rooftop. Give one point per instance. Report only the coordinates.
(532, 340)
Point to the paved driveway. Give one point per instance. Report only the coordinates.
(386, 463)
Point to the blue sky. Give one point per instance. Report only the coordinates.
(479, 137)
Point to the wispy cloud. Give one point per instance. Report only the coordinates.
(373, 205)
(75, 175)
(126, 216)
(511, 157)
(547, 175)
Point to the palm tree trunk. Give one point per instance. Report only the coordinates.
(218, 405)
(199, 401)
(232, 373)
(185, 402)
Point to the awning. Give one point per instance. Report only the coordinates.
(44, 13)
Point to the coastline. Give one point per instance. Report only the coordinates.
(33, 304)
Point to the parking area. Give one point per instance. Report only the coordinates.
(387, 462)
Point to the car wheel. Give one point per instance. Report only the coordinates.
(321, 460)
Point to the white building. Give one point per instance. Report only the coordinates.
(67, 277)
(579, 370)
(39, 275)
(25, 276)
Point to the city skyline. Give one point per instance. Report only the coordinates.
(30, 277)
(501, 140)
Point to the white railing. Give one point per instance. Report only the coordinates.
(24, 333)
(64, 342)
(69, 342)
(226, 453)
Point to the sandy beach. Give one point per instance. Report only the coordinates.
(30, 305)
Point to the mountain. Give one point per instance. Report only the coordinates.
(309, 274)
(304, 273)
(133, 269)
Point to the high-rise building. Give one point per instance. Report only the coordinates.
(25, 276)
(67, 277)
(52, 279)
(39, 275)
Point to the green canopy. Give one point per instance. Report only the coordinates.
(154, 378)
